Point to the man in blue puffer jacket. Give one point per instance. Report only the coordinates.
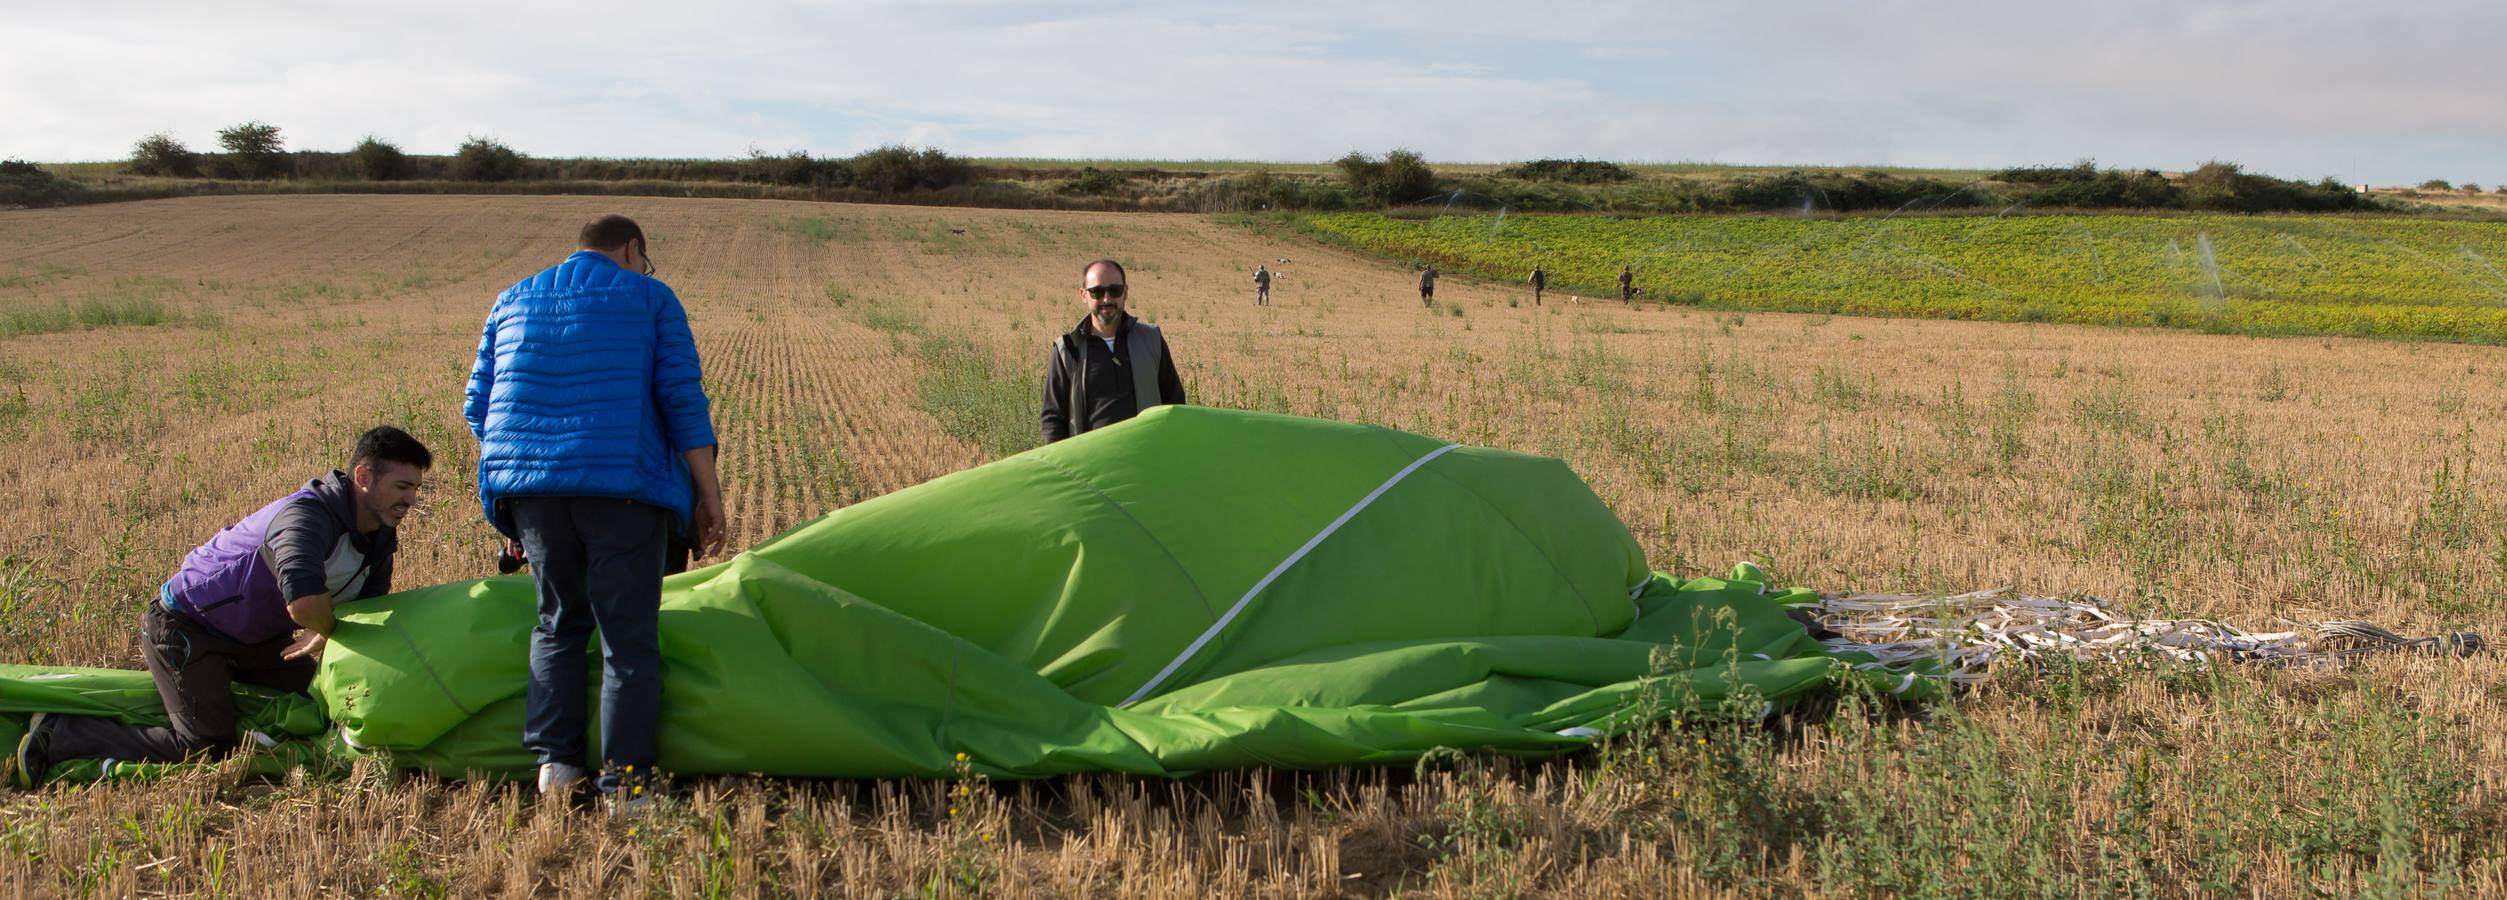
(595, 442)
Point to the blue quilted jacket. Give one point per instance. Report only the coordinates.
(587, 385)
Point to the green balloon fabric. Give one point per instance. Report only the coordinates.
(1193, 589)
(131, 697)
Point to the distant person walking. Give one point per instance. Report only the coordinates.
(1262, 286)
(1627, 283)
(1111, 366)
(254, 605)
(595, 439)
(1427, 286)
(1539, 281)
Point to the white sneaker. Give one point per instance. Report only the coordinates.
(558, 778)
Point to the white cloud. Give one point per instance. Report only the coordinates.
(1612, 52)
(2298, 88)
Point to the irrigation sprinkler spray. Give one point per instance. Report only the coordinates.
(2097, 263)
(2433, 262)
(2211, 269)
(2484, 262)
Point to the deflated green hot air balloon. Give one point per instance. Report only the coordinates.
(1193, 589)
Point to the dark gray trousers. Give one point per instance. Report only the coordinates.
(196, 670)
(598, 562)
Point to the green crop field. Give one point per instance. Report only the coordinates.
(2369, 276)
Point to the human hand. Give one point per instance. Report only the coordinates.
(709, 525)
(307, 644)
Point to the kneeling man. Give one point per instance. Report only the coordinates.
(253, 605)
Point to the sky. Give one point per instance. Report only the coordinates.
(2378, 94)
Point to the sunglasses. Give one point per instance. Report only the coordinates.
(1103, 291)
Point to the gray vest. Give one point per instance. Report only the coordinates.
(1147, 348)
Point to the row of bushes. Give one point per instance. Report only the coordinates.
(1555, 185)
(2443, 186)
(255, 151)
(1402, 176)
(886, 170)
(25, 184)
(1790, 191)
(2215, 186)
(1572, 171)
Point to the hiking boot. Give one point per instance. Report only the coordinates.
(557, 779)
(627, 791)
(34, 753)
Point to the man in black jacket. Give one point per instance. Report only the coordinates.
(253, 605)
(1110, 367)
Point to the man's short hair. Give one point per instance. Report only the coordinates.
(385, 443)
(1091, 267)
(610, 232)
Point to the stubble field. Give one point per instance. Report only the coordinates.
(166, 367)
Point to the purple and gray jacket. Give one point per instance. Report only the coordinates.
(240, 581)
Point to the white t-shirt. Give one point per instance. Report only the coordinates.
(344, 574)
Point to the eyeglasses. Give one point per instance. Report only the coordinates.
(1103, 291)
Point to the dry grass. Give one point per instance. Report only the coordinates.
(2244, 479)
